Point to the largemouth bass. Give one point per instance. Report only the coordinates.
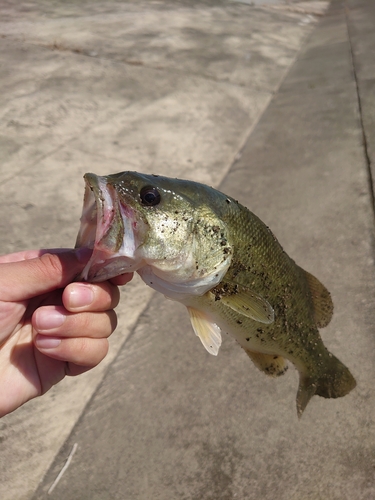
(202, 248)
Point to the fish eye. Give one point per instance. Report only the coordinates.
(150, 196)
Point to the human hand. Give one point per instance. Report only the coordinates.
(49, 326)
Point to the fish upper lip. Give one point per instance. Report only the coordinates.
(108, 227)
(97, 214)
(107, 204)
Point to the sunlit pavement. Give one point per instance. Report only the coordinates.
(272, 102)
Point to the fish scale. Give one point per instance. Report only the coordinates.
(202, 248)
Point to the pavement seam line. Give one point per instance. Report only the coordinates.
(129, 62)
(366, 155)
(55, 47)
(61, 146)
(271, 96)
(61, 473)
(53, 463)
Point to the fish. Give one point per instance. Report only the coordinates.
(202, 248)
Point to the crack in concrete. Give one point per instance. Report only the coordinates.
(360, 111)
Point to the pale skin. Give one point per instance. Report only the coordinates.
(50, 327)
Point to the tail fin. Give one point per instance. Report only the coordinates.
(333, 381)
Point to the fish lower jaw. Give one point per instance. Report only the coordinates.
(102, 267)
(176, 289)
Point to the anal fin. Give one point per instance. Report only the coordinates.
(271, 364)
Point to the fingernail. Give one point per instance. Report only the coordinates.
(47, 342)
(80, 296)
(48, 320)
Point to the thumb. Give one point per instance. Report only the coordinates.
(29, 278)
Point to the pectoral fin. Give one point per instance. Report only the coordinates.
(244, 301)
(271, 364)
(208, 332)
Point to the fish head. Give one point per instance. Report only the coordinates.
(166, 229)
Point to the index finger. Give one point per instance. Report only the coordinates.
(24, 279)
(19, 256)
(30, 254)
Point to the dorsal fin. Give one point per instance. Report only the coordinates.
(323, 305)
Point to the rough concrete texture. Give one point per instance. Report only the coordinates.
(361, 22)
(178, 88)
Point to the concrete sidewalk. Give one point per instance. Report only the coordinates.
(197, 90)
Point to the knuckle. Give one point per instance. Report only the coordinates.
(89, 352)
(115, 296)
(96, 324)
(50, 265)
(113, 320)
(108, 295)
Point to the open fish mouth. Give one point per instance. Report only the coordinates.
(108, 227)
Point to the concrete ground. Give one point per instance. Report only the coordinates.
(273, 102)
